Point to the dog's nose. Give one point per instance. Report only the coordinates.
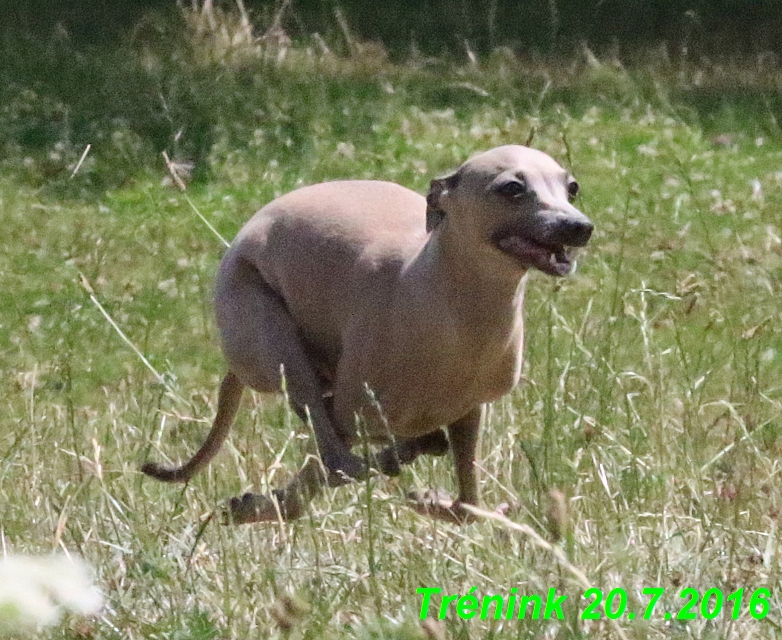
(576, 233)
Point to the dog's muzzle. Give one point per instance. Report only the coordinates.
(552, 249)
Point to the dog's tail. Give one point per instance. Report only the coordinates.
(227, 404)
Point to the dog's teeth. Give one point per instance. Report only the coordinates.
(552, 260)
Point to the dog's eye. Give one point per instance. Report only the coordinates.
(513, 189)
(572, 188)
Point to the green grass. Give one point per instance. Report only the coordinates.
(652, 395)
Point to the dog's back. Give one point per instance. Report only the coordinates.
(325, 250)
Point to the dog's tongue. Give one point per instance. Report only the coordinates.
(553, 261)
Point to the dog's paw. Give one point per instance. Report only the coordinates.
(440, 506)
(344, 468)
(254, 507)
(390, 460)
(434, 443)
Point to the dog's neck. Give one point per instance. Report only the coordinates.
(474, 313)
(475, 273)
(473, 287)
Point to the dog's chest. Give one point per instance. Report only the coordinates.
(430, 392)
(428, 369)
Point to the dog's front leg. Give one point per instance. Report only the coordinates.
(406, 451)
(463, 438)
(463, 435)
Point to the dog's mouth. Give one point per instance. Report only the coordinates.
(553, 259)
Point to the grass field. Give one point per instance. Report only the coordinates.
(651, 402)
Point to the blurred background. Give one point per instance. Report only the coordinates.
(714, 27)
(136, 78)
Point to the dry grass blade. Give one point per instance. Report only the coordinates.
(81, 161)
(161, 379)
(171, 166)
(541, 543)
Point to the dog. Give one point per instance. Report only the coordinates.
(388, 316)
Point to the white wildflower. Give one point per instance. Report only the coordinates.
(34, 592)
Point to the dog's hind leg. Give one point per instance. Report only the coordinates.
(286, 504)
(262, 342)
(289, 503)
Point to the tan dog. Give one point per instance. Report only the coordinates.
(388, 310)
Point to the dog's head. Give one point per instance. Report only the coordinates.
(516, 203)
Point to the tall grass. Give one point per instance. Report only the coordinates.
(644, 441)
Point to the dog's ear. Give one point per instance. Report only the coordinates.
(434, 208)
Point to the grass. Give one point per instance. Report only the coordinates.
(651, 404)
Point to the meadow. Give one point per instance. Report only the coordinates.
(641, 450)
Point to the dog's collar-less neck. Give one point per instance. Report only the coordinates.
(468, 288)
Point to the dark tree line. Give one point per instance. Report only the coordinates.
(536, 26)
